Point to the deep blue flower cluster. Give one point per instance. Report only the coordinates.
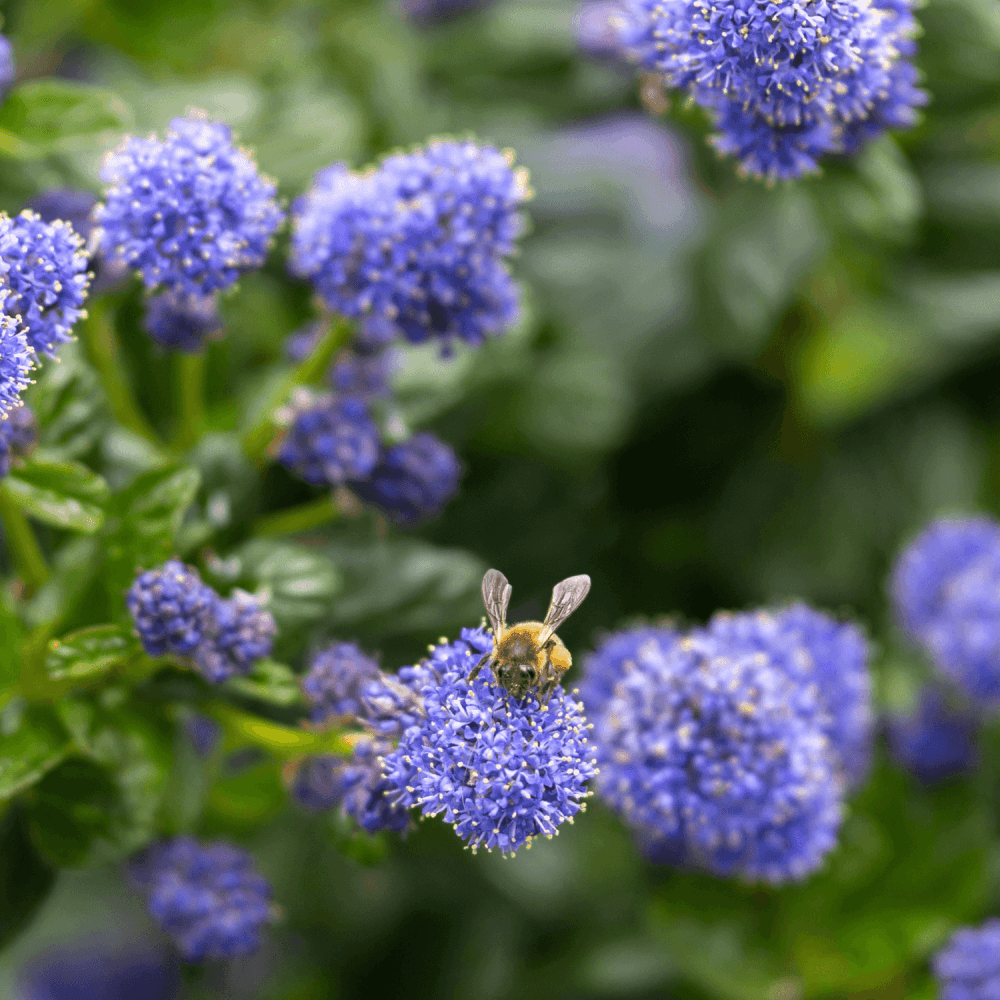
(100, 969)
(501, 771)
(332, 684)
(946, 593)
(190, 212)
(935, 741)
(208, 898)
(182, 322)
(8, 71)
(968, 967)
(415, 247)
(786, 83)
(45, 265)
(177, 614)
(18, 437)
(16, 360)
(717, 746)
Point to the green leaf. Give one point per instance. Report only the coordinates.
(90, 652)
(25, 879)
(247, 799)
(64, 494)
(70, 810)
(134, 745)
(43, 117)
(32, 742)
(270, 682)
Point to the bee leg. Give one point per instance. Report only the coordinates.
(474, 672)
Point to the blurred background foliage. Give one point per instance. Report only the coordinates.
(721, 395)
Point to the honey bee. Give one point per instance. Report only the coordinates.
(529, 654)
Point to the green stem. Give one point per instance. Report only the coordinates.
(102, 348)
(22, 544)
(190, 387)
(294, 520)
(259, 437)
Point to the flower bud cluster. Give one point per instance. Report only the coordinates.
(177, 614)
(785, 83)
(935, 741)
(8, 71)
(729, 747)
(17, 358)
(207, 897)
(415, 247)
(18, 437)
(968, 967)
(182, 322)
(946, 595)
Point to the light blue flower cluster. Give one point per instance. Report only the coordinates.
(45, 266)
(786, 83)
(182, 322)
(415, 247)
(333, 683)
(190, 212)
(8, 71)
(16, 360)
(946, 594)
(176, 614)
(728, 747)
(208, 898)
(935, 741)
(968, 967)
(501, 771)
(18, 437)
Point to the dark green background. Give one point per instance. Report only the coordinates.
(721, 395)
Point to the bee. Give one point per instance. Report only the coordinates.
(529, 654)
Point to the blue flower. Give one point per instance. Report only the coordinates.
(18, 437)
(237, 633)
(391, 703)
(172, 609)
(816, 650)
(928, 565)
(182, 322)
(416, 247)
(968, 967)
(317, 782)
(17, 358)
(414, 480)
(190, 212)
(8, 71)
(207, 898)
(46, 268)
(99, 969)
(303, 341)
(501, 771)
(203, 732)
(364, 375)
(716, 757)
(69, 204)
(784, 81)
(331, 441)
(935, 741)
(595, 26)
(333, 682)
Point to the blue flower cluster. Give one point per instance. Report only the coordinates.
(16, 360)
(729, 747)
(182, 322)
(415, 247)
(8, 71)
(177, 614)
(190, 212)
(18, 437)
(968, 967)
(208, 898)
(333, 441)
(935, 741)
(333, 683)
(785, 83)
(501, 771)
(946, 594)
(45, 265)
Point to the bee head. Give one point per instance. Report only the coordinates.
(519, 678)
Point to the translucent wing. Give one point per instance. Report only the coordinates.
(496, 597)
(566, 598)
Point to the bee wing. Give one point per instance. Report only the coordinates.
(496, 597)
(566, 598)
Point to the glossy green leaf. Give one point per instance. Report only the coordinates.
(270, 682)
(32, 742)
(25, 878)
(42, 117)
(90, 652)
(64, 494)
